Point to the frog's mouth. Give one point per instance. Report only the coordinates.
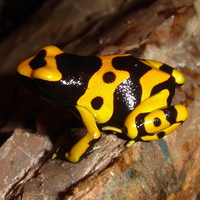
(52, 91)
(45, 89)
(30, 83)
(38, 86)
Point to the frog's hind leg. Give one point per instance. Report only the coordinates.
(152, 119)
(164, 120)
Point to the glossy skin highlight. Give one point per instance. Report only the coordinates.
(118, 92)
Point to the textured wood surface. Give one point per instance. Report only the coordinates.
(165, 30)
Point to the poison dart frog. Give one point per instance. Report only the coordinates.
(114, 92)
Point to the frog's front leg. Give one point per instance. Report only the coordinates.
(84, 143)
(152, 119)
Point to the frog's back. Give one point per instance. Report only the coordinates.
(138, 81)
(118, 87)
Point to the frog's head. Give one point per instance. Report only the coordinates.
(42, 74)
(42, 65)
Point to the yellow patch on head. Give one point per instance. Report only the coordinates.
(49, 72)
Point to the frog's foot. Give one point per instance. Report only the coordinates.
(111, 128)
(130, 143)
(92, 149)
(55, 154)
(82, 148)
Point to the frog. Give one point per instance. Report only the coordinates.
(117, 93)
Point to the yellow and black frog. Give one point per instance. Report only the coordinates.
(118, 92)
